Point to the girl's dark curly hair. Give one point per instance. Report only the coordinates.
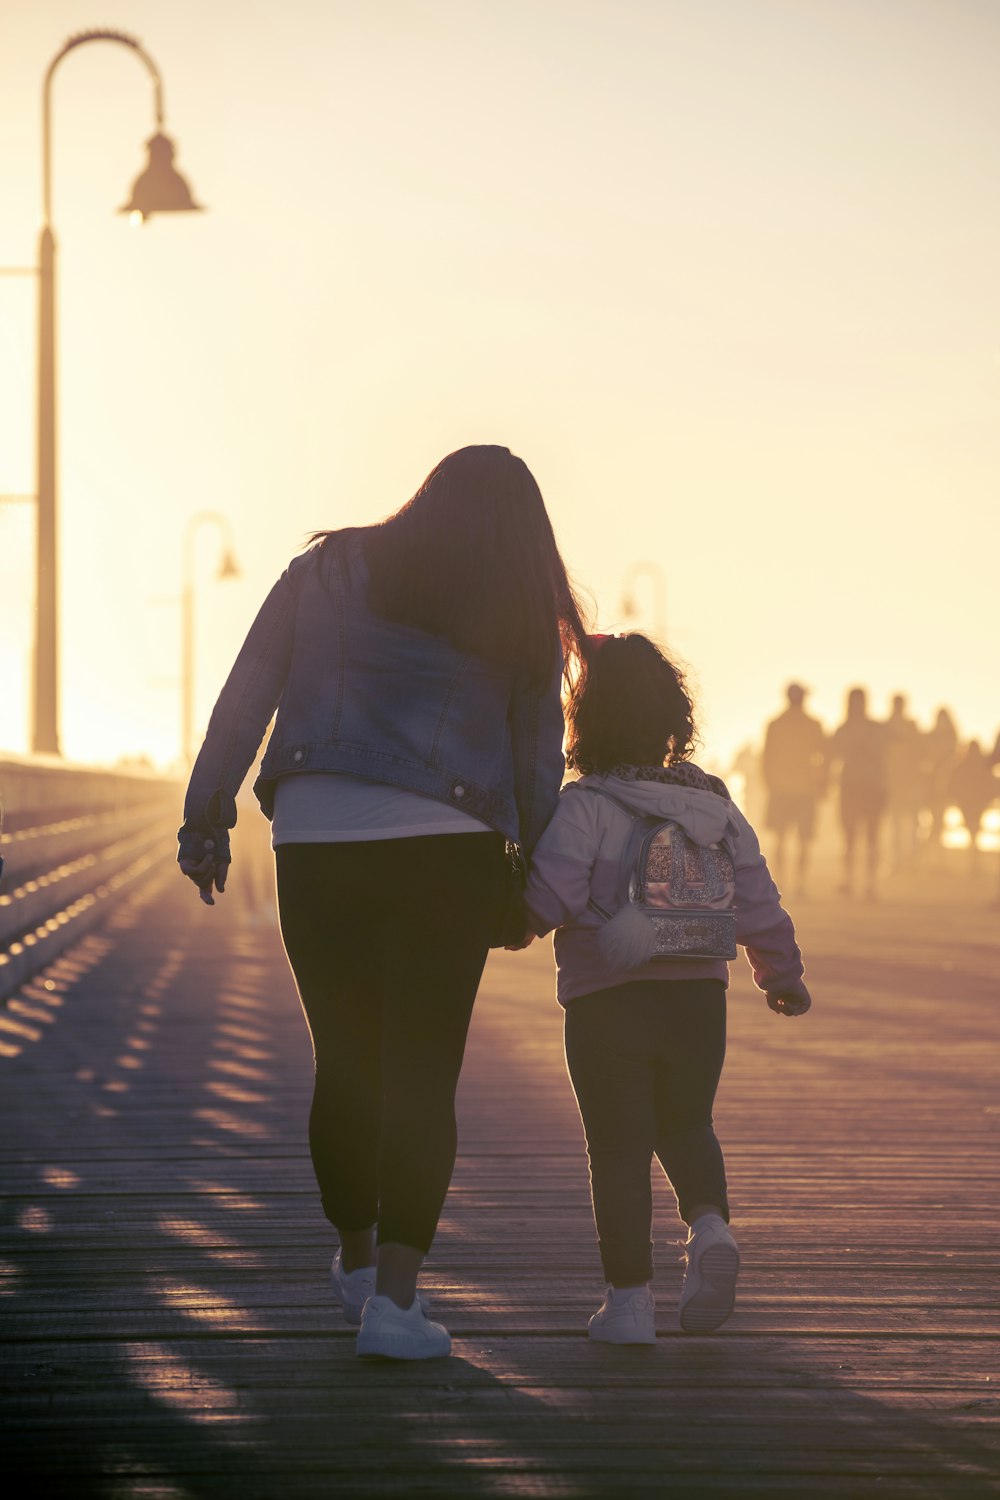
(630, 707)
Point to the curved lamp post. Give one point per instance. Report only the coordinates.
(228, 568)
(158, 189)
(629, 607)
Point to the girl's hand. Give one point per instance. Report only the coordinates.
(206, 873)
(795, 1003)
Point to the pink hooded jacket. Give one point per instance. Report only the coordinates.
(580, 858)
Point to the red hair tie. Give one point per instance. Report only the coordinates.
(595, 642)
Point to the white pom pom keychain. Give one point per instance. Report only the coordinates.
(628, 939)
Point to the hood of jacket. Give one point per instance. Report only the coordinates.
(704, 816)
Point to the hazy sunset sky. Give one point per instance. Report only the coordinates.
(725, 273)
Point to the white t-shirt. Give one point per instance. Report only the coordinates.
(328, 808)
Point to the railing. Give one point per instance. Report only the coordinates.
(73, 838)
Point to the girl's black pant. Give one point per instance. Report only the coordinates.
(645, 1059)
(387, 941)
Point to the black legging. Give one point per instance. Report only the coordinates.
(645, 1058)
(387, 941)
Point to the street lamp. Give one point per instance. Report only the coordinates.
(629, 607)
(228, 568)
(158, 189)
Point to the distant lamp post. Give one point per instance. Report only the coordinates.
(629, 606)
(228, 568)
(158, 189)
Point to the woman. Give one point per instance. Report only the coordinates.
(415, 666)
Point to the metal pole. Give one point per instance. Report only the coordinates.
(187, 670)
(45, 686)
(45, 698)
(203, 518)
(629, 607)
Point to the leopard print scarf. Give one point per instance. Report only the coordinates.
(682, 774)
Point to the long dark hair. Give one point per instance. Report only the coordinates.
(630, 708)
(472, 557)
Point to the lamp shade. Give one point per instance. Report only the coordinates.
(228, 566)
(160, 189)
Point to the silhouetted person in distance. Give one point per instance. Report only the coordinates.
(995, 763)
(939, 749)
(859, 748)
(903, 766)
(747, 765)
(972, 788)
(794, 766)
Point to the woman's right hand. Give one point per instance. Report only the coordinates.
(206, 873)
(520, 947)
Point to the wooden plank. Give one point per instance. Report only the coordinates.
(163, 1258)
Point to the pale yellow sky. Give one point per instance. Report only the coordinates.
(724, 272)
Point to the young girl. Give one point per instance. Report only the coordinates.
(645, 1045)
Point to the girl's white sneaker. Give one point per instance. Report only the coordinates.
(389, 1332)
(625, 1317)
(713, 1263)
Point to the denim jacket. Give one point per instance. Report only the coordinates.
(364, 696)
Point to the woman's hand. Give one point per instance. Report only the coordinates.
(206, 873)
(520, 947)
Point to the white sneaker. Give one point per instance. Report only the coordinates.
(625, 1318)
(387, 1332)
(352, 1288)
(713, 1262)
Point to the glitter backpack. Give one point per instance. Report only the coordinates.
(681, 899)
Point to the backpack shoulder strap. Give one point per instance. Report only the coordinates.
(635, 837)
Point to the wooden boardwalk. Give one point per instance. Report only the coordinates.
(168, 1329)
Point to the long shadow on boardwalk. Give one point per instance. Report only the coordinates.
(170, 1332)
(262, 1418)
